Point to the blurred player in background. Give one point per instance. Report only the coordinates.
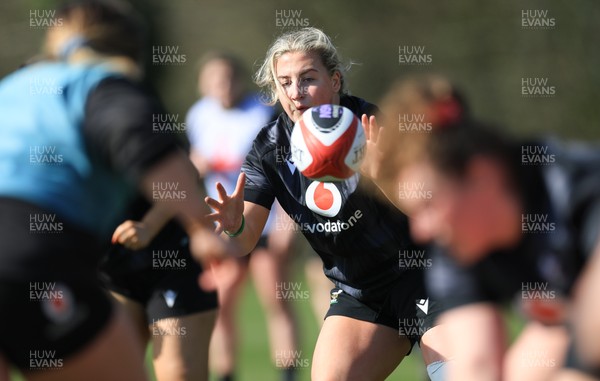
(221, 127)
(514, 222)
(359, 339)
(152, 274)
(75, 141)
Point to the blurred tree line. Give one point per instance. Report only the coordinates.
(480, 46)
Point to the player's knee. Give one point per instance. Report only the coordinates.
(319, 372)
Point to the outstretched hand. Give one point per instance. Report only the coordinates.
(372, 164)
(228, 210)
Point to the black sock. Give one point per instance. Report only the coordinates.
(288, 374)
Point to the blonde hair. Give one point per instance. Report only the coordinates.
(302, 40)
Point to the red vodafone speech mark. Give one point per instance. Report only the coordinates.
(323, 197)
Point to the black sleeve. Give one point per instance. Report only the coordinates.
(118, 128)
(359, 106)
(452, 285)
(258, 189)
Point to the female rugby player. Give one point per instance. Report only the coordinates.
(367, 330)
(518, 222)
(75, 140)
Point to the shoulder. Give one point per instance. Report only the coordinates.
(571, 174)
(358, 105)
(269, 135)
(121, 93)
(120, 84)
(570, 169)
(274, 135)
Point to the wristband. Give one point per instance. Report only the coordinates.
(239, 231)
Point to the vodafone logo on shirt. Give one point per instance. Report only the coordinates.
(324, 198)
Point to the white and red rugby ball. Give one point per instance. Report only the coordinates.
(328, 143)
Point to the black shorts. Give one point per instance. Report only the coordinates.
(45, 321)
(406, 308)
(51, 303)
(263, 242)
(163, 278)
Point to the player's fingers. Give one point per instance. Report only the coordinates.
(213, 217)
(120, 229)
(365, 123)
(239, 186)
(129, 237)
(374, 128)
(373, 122)
(120, 239)
(216, 205)
(222, 192)
(218, 228)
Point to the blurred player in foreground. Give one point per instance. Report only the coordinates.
(514, 222)
(75, 140)
(221, 127)
(364, 336)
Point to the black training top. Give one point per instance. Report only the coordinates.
(561, 225)
(356, 233)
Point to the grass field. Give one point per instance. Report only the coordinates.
(254, 359)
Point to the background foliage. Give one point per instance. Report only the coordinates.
(480, 45)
